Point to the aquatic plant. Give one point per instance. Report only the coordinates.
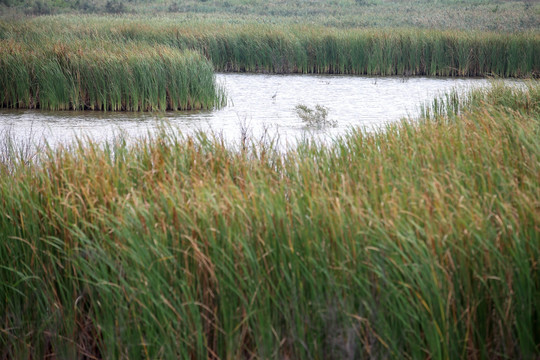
(292, 48)
(316, 117)
(417, 241)
(105, 76)
(524, 97)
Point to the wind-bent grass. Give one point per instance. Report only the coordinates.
(285, 48)
(105, 76)
(419, 241)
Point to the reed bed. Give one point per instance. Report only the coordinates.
(99, 75)
(452, 104)
(419, 241)
(286, 48)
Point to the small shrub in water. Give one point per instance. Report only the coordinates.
(317, 117)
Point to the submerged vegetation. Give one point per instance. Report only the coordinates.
(419, 241)
(105, 76)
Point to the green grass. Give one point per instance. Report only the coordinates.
(419, 241)
(282, 48)
(479, 15)
(106, 76)
(452, 104)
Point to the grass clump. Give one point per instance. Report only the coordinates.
(105, 76)
(523, 97)
(417, 241)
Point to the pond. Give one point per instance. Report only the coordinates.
(257, 103)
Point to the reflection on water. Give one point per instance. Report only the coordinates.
(257, 102)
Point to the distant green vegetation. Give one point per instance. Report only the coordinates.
(105, 76)
(278, 48)
(419, 241)
(485, 15)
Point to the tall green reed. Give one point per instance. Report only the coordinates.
(105, 76)
(286, 48)
(417, 241)
(521, 97)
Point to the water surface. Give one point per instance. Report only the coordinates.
(257, 103)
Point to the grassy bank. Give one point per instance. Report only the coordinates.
(420, 241)
(477, 15)
(100, 75)
(282, 48)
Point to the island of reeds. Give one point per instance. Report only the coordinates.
(418, 241)
(109, 76)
